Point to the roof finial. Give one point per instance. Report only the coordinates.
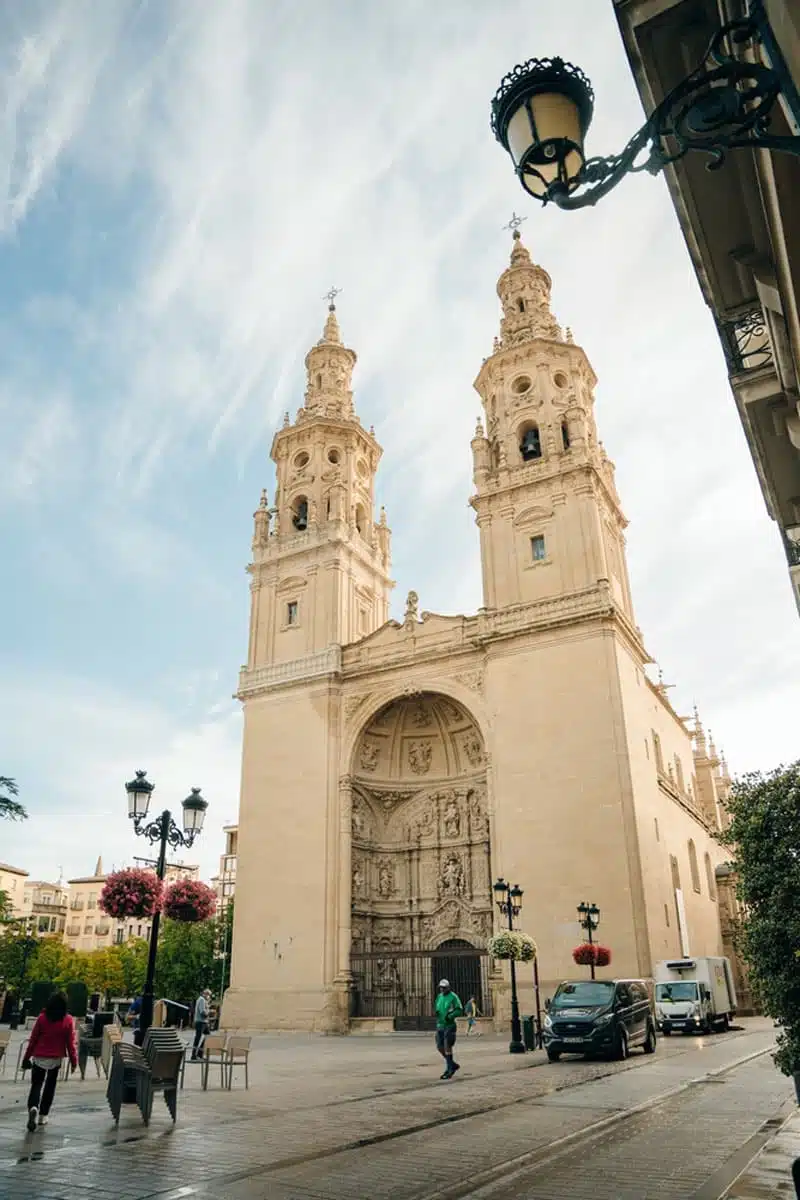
(514, 225)
(331, 331)
(330, 296)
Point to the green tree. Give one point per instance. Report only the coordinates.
(224, 924)
(5, 905)
(764, 836)
(9, 807)
(186, 959)
(132, 959)
(54, 962)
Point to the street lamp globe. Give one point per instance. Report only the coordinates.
(139, 792)
(500, 889)
(540, 115)
(194, 813)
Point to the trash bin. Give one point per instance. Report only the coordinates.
(529, 1032)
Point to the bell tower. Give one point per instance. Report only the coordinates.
(545, 501)
(320, 569)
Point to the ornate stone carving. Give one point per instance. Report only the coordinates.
(352, 704)
(368, 756)
(426, 825)
(451, 711)
(479, 822)
(412, 608)
(451, 879)
(386, 884)
(473, 749)
(361, 823)
(419, 757)
(421, 716)
(358, 879)
(471, 679)
(452, 818)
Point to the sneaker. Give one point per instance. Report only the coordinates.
(456, 1067)
(32, 1115)
(43, 1120)
(446, 1074)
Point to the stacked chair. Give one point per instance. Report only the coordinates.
(111, 1035)
(156, 1067)
(5, 1038)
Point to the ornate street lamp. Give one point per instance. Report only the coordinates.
(543, 108)
(163, 830)
(509, 901)
(589, 919)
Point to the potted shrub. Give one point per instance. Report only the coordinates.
(133, 892)
(509, 944)
(189, 900)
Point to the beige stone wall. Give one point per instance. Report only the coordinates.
(285, 913)
(12, 882)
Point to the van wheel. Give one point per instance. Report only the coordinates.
(650, 1041)
(725, 1023)
(621, 1048)
(553, 1055)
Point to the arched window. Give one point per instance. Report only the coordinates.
(300, 513)
(710, 880)
(658, 754)
(679, 774)
(521, 305)
(675, 871)
(319, 380)
(565, 435)
(361, 520)
(693, 867)
(530, 443)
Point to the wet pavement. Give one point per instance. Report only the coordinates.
(368, 1117)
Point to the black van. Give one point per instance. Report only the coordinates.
(599, 1016)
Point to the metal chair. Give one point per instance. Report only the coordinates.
(214, 1051)
(111, 1035)
(159, 1073)
(5, 1038)
(237, 1053)
(23, 1046)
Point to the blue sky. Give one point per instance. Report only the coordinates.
(180, 182)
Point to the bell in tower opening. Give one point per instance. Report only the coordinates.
(531, 444)
(300, 514)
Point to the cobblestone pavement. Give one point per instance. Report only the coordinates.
(367, 1117)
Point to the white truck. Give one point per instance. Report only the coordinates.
(694, 995)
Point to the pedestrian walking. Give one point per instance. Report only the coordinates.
(448, 1008)
(472, 1012)
(201, 1013)
(52, 1039)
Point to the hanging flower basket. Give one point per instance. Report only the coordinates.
(131, 893)
(603, 956)
(585, 955)
(189, 900)
(508, 944)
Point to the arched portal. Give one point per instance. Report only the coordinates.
(420, 859)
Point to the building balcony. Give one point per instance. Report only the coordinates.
(76, 905)
(74, 931)
(102, 930)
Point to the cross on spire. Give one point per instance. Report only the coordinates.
(514, 225)
(330, 296)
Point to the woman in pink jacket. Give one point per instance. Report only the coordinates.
(52, 1038)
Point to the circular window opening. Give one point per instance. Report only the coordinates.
(301, 460)
(560, 379)
(334, 456)
(521, 385)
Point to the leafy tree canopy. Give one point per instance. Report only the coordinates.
(764, 835)
(9, 807)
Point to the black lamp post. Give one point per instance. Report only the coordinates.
(26, 940)
(163, 830)
(543, 108)
(589, 917)
(509, 901)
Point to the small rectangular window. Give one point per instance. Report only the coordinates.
(291, 612)
(538, 549)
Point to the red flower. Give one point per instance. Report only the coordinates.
(131, 893)
(189, 900)
(585, 954)
(603, 956)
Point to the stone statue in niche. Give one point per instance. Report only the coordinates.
(368, 756)
(452, 818)
(385, 878)
(425, 825)
(451, 880)
(358, 820)
(477, 816)
(358, 880)
(419, 757)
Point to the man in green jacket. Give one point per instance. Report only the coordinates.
(448, 1007)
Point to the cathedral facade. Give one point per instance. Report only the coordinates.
(392, 770)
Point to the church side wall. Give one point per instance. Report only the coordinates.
(665, 828)
(562, 813)
(283, 938)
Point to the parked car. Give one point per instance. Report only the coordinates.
(599, 1016)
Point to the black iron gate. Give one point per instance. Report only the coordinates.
(403, 984)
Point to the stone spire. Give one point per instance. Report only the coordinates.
(261, 519)
(524, 291)
(700, 748)
(98, 871)
(329, 368)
